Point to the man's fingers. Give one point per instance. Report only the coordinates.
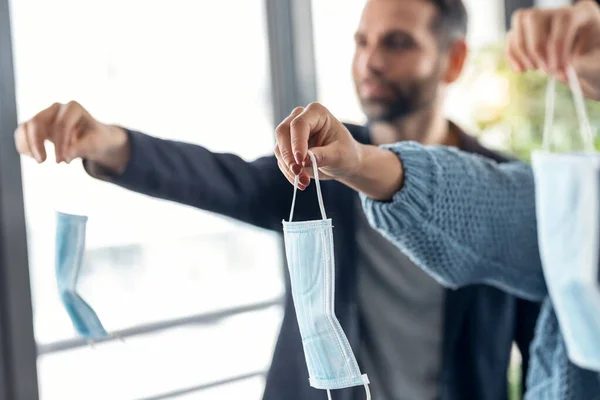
(36, 134)
(21, 143)
(31, 135)
(47, 115)
(284, 144)
(64, 128)
(80, 147)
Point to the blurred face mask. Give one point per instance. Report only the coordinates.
(310, 257)
(70, 248)
(568, 223)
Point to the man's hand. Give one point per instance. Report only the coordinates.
(551, 39)
(75, 133)
(368, 169)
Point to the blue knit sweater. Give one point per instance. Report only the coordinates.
(465, 219)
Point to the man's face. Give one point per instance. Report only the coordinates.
(397, 65)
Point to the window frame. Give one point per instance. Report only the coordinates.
(18, 360)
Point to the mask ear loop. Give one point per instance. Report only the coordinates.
(549, 117)
(366, 383)
(317, 182)
(367, 390)
(585, 129)
(296, 180)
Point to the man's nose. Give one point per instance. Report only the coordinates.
(373, 59)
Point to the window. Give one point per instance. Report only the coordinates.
(333, 55)
(184, 70)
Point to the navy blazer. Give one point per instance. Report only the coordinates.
(480, 322)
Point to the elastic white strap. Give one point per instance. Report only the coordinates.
(296, 179)
(367, 390)
(549, 117)
(317, 182)
(585, 129)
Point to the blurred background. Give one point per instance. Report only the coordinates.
(182, 283)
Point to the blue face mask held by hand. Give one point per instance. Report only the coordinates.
(70, 248)
(310, 258)
(568, 221)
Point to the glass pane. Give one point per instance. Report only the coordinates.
(465, 99)
(185, 70)
(333, 55)
(150, 365)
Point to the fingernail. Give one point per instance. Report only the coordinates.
(304, 180)
(296, 169)
(298, 157)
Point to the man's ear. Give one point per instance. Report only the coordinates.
(457, 57)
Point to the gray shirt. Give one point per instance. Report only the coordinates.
(401, 311)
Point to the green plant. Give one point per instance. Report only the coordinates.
(521, 116)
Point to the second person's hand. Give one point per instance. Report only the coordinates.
(368, 169)
(336, 152)
(552, 39)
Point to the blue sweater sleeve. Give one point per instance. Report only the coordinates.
(464, 219)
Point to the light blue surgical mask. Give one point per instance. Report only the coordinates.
(310, 258)
(70, 249)
(568, 214)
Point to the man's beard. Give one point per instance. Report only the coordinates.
(407, 98)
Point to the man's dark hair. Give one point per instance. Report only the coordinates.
(451, 21)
